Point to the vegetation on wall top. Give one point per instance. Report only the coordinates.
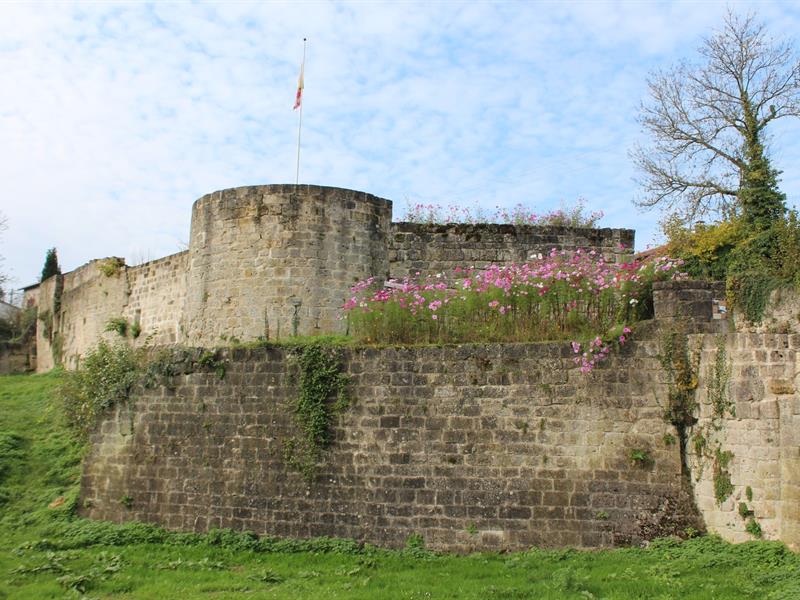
(752, 262)
(574, 215)
(562, 296)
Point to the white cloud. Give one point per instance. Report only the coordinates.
(116, 117)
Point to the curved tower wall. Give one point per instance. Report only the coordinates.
(271, 261)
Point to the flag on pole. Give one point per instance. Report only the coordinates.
(299, 98)
(298, 103)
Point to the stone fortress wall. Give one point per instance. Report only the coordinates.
(481, 446)
(477, 446)
(75, 308)
(269, 262)
(760, 429)
(415, 247)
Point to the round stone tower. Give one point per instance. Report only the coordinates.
(272, 261)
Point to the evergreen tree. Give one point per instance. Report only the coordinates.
(50, 265)
(760, 200)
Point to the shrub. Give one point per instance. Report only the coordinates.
(105, 377)
(706, 249)
(118, 325)
(752, 260)
(111, 266)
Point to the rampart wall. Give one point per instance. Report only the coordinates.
(477, 446)
(89, 298)
(418, 247)
(75, 308)
(156, 297)
(756, 420)
(48, 353)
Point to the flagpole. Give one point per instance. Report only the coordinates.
(300, 123)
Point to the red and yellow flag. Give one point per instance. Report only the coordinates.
(299, 98)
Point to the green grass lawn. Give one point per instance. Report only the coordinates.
(49, 553)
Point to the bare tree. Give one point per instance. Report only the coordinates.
(708, 120)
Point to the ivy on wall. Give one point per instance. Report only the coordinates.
(322, 394)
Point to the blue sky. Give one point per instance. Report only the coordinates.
(115, 117)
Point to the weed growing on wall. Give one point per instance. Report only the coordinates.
(163, 364)
(322, 394)
(680, 366)
(118, 325)
(210, 360)
(749, 291)
(744, 510)
(57, 347)
(123, 328)
(723, 488)
(718, 380)
(111, 266)
(753, 528)
(641, 457)
(46, 317)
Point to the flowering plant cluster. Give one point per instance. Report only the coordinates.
(566, 216)
(561, 296)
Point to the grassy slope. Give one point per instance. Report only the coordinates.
(46, 553)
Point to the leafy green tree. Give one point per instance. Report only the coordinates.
(50, 265)
(708, 122)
